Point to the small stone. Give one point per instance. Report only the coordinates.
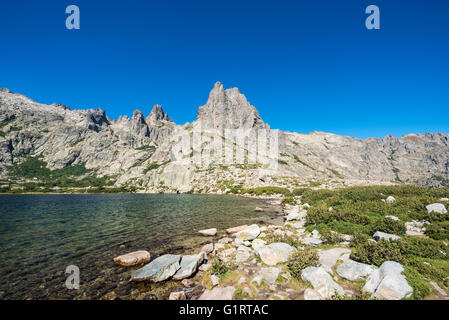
(208, 248)
(215, 280)
(217, 293)
(179, 295)
(310, 294)
(204, 267)
(390, 199)
(257, 209)
(392, 218)
(225, 240)
(133, 258)
(386, 236)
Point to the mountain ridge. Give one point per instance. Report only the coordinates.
(139, 152)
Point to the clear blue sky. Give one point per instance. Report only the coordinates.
(305, 65)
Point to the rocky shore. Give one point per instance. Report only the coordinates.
(280, 262)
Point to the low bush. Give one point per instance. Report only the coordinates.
(438, 231)
(376, 253)
(267, 190)
(330, 237)
(220, 268)
(389, 226)
(302, 259)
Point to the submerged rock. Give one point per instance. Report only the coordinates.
(237, 229)
(208, 232)
(133, 258)
(275, 253)
(159, 269)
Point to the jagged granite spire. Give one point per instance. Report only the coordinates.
(158, 114)
(228, 109)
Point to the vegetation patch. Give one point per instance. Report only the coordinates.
(302, 259)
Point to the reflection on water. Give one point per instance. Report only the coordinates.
(40, 235)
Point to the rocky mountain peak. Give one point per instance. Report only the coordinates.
(158, 114)
(228, 109)
(5, 90)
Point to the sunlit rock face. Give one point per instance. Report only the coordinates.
(141, 151)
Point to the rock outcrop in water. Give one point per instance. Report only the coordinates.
(140, 152)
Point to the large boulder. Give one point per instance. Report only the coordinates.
(328, 258)
(208, 232)
(311, 241)
(385, 236)
(189, 265)
(257, 243)
(249, 233)
(207, 248)
(436, 207)
(243, 253)
(133, 258)
(217, 293)
(322, 282)
(159, 269)
(353, 270)
(296, 215)
(275, 253)
(388, 282)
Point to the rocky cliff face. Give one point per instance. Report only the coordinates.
(141, 151)
(228, 109)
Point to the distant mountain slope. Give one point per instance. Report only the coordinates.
(80, 147)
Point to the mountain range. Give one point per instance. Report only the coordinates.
(40, 142)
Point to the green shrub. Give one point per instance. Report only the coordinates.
(389, 226)
(267, 190)
(418, 282)
(272, 238)
(302, 259)
(330, 237)
(422, 247)
(288, 200)
(376, 253)
(299, 191)
(318, 214)
(220, 268)
(438, 231)
(240, 294)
